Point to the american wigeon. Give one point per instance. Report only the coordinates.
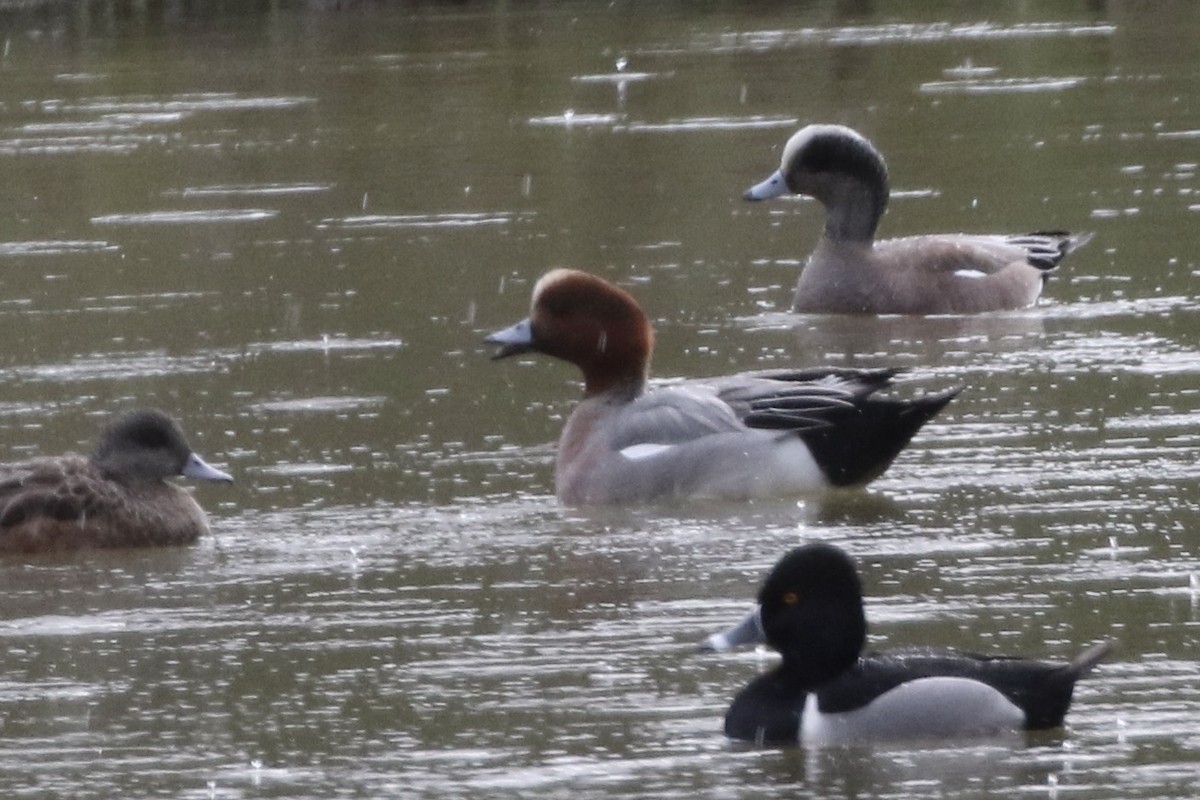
(742, 436)
(117, 497)
(851, 273)
(825, 691)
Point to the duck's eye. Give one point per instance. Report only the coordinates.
(791, 598)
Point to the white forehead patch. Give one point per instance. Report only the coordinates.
(545, 281)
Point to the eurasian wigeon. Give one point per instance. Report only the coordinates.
(751, 435)
(851, 273)
(825, 691)
(117, 497)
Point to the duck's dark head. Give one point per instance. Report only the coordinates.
(149, 445)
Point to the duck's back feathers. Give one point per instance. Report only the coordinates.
(798, 399)
(1041, 690)
(54, 488)
(68, 503)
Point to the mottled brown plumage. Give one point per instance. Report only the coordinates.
(117, 497)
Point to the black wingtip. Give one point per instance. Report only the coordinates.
(1045, 249)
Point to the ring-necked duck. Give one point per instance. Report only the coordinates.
(826, 691)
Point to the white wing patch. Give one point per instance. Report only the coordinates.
(970, 273)
(637, 452)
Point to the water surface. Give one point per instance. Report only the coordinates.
(292, 228)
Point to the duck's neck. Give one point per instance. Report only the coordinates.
(853, 210)
(622, 384)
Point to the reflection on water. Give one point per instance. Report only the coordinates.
(292, 228)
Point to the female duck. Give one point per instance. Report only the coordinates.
(743, 436)
(826, 692)
(851, 273)
(117, 497)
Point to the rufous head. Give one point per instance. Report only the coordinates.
(587, 321)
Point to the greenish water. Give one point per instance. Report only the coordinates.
(291, 226)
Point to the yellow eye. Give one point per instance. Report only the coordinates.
(791, 598)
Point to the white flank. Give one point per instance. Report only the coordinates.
(921, 709)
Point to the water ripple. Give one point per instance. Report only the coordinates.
(254, 189)
(202, 217)
(398, 221)
(571, 119)
(114, 366)
(713, 123)
(319, 404)
(1001, 85)
(869, 35)
(182, 103)
(52, 247)
(325, 344)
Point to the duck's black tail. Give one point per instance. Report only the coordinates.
(861, 444)
(1046, 703)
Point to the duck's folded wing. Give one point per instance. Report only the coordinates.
(1041, 689)
(849, 432)
(1044, 249)
(800, 400)
(54, 490)
(878, 673)
(971, 255)
(793, 400)
(671, 416)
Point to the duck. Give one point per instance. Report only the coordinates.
(116, 497)
(826, 691)
(850, 272)
(752, 435)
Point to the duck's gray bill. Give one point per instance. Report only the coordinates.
(196, 468)
(513, 340)
(748, 631)
(774, 186)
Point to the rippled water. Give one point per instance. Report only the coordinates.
(292, 229)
